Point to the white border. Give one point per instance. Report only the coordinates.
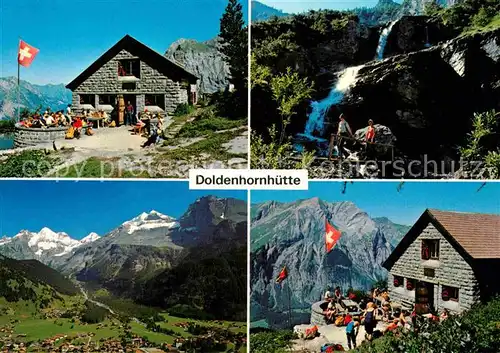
(249, 82)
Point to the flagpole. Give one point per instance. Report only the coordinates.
(18, 85)
(290, 307)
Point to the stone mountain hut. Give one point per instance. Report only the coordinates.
(137, 73)
(446, 260)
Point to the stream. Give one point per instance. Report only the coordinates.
(314, 130)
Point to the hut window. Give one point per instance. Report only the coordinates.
(410, 284)
(107, 99)
(155, 99)
(429, 272)
(398, 281)
(87, 99)
(129, 67)
(430, 249)
(129, 86)
(449, 293)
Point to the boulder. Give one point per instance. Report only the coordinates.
(383, 136)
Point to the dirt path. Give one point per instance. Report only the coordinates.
(121, 146)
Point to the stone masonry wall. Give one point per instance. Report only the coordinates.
(106, 81)
(24, 137)
(450, 270)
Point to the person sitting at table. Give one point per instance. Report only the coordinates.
(330, 312)
(328, 295)
(78, 125)
(48, 120)
(139, 127)
(106, 119)
(338, 295)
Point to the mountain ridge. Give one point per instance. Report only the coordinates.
(33, 96)
(292, 234)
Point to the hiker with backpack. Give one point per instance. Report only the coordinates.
(370, 320)
(351, 331)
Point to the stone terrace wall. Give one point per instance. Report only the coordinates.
(317, 316)
(450, 270)
(105, 81)
(24, 137)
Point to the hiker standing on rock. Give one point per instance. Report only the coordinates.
(369, 138)
(344, 131)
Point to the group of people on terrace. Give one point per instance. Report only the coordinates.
(368, 312)
(145, 124)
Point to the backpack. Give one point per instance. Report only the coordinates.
(370, 319)
(339, 321)
(70, 133)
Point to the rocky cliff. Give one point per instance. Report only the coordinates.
(425, 93)
(417, 7)
(204, 60)
(292, 234)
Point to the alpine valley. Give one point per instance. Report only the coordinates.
(155, 277)
(292, 235)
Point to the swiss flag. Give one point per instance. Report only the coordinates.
(26, 54)
(332, 236)
(282, 276)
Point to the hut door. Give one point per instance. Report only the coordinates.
(424, 297)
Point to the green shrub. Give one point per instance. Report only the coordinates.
(475, 331)
(207, 122)
(482, 18)
(271, 341)
(482, 143)
(183, 109)
(27, 164)
(7, 124)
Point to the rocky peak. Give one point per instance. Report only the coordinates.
(90, 238)
(293, 235)
(204, 60)
(208, 211)
(147, 221)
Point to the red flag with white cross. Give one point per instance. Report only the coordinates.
(26, 54)
(332, 236)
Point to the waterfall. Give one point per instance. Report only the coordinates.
(316, 119)
(383, 40)
(427, 43)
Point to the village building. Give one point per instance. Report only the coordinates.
(132, 72)
(447, 260)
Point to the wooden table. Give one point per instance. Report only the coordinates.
(97, 120)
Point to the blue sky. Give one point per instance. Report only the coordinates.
(79, 208)
(296, 6)
(382, 199)
(71, 34)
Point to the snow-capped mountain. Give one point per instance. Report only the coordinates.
(41, 245)
(90, 238)
(151, 220)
